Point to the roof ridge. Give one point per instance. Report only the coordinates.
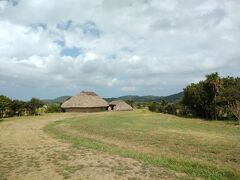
(89, 93)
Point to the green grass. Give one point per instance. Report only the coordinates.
(208, 149)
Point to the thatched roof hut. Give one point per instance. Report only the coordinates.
(119, 105)
(85, 102)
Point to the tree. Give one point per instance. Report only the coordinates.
(164, 103)
(130, 102)
(138, 105)
(51, 108)
(213, 85)
(212, 98)
(18, 107)
(154, 107)
(202, 97)
(5, 109)
(171, 109)
(229, 94)
(196, 98)
(235, 108)
(162, 107)
(33, 105)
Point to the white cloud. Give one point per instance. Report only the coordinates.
(23, 41)
(112, 82)
(3, 4)
(90, 57)
(127, 45)
(128, 89)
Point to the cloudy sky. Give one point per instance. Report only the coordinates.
(50, 48)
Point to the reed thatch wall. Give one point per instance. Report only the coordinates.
(97, 109)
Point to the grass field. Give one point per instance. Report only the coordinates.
(198, 148)
(27, 152)
(118, 145)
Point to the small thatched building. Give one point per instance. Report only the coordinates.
(85, 102)
(119, 105)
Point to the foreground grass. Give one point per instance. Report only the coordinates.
(195, 147)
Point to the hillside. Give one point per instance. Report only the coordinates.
(60, 99)
(170, 98)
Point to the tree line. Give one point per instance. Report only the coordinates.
(10, 108)
(212, 98)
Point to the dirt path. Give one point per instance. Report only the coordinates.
(26, 152)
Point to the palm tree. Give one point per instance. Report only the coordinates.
(214, 84)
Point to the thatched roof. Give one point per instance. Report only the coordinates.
(85, 100)
(115, 102)
(120, 105)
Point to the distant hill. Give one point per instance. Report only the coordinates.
(60, 99)
(174, 97)
(171, 98)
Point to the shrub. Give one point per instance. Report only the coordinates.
(52, 108)
(5, 106)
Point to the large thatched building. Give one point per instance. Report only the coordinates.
(85, 102)
(119, 105)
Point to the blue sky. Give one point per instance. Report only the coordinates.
(143, 47)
